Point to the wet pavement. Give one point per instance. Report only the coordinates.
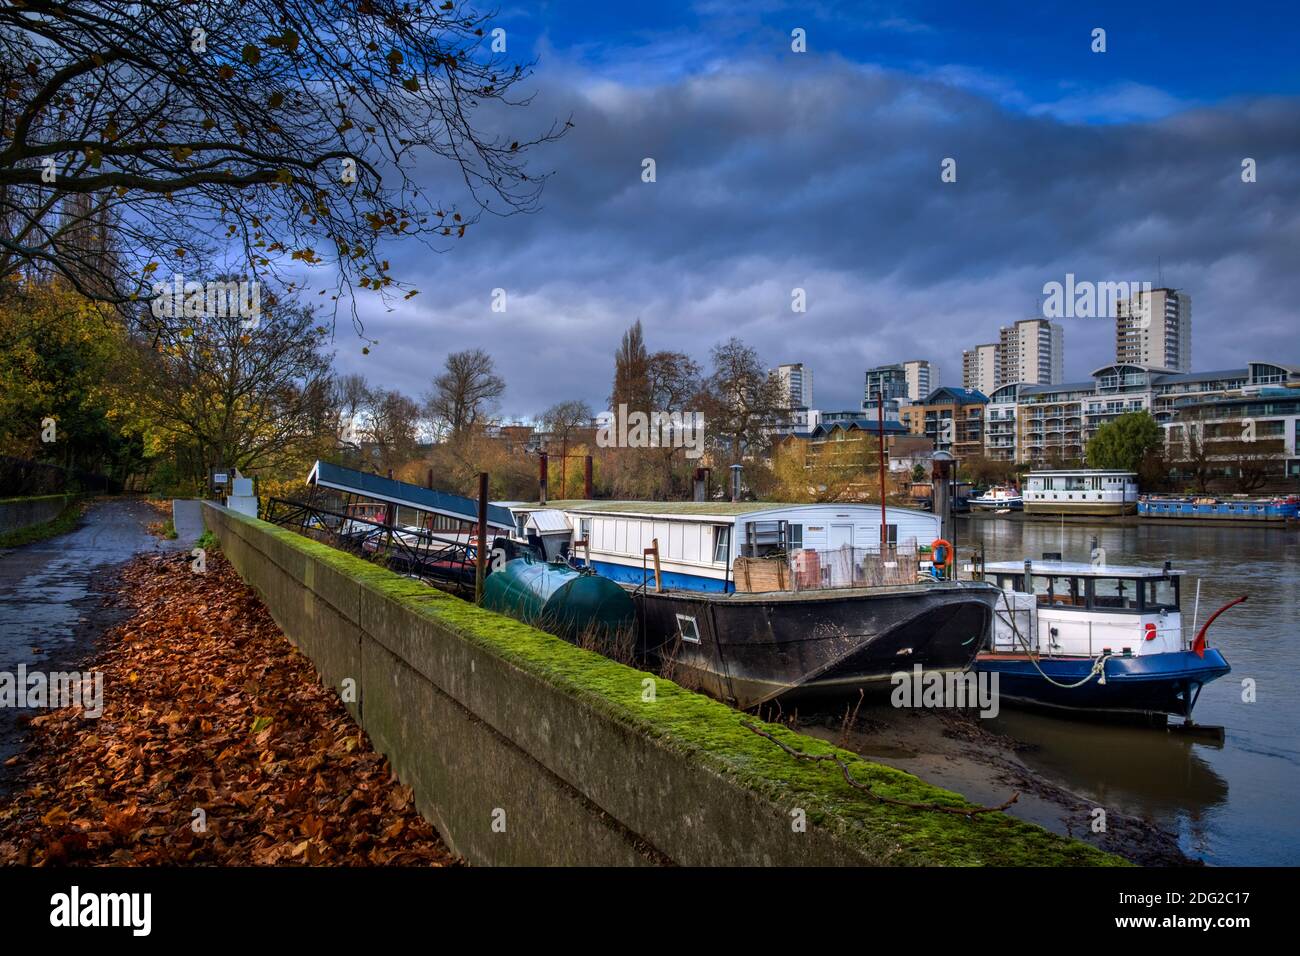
(56, 599)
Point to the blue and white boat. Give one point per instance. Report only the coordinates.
(1097, 639)
(999, 498)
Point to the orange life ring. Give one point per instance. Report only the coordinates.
(935, 545)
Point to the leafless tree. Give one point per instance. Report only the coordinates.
(390, 429)
(238, 396)
(561, 420)
(270, 132)
(745, 402)
(467, 390)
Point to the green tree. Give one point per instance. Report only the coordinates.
(1124, 442)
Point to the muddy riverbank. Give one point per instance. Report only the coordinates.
(958, 751)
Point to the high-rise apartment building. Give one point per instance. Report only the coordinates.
(886, 381)
(922, 379)
(1031, 351)
(797, 381)
(981, 368)
(1154, 329)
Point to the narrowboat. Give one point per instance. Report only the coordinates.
(1086, 491)
(1097, 639)
(1276, 510)
(752, 601)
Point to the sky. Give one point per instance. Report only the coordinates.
(778, 170)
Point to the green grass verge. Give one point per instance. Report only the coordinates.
(710, 732)
(65, 521)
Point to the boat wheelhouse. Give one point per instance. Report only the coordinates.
(1097, 638)
(1085, 491)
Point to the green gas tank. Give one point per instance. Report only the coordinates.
(559, 599)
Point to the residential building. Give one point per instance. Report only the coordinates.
(1031, 351)
(797, 382)
(981, 368)
(1055, 423)
(1000, 442)
(922, 378)
(952, 418)
(887, 381)
(1154, 329)
(846, 447)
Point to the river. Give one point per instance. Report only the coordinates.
(1229, 805)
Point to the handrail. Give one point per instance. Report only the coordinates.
(393, 545)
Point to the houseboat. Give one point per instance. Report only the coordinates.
(1097, 639)
(1277, 510)
(1087, 491)
(753, 601)
(998, 498)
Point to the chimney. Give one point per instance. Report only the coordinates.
(701, 486)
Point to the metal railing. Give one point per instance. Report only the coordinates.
(847, 567)
(441, 559)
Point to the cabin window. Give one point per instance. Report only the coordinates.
(795, 532)
(1160, 594)
(1114, 594)
(584, 529)
(721, 543)
(1057, 591)
(688, 629)
(891, 535)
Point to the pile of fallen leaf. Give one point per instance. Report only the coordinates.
(217, 745)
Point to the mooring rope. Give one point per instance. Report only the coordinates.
(1098, 664)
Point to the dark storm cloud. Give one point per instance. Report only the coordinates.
(826, 176)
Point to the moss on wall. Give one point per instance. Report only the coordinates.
(711, 733)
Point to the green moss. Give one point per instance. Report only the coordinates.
(712, 733)
(65, 521)
(6, 501)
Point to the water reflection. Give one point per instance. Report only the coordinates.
(1228, 804)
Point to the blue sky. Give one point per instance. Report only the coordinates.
(820, 171)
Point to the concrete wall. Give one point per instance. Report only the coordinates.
(19, 513)
(522, 749)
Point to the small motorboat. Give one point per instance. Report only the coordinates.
(1098, 639)
(999, 498)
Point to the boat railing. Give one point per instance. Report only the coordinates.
(444, 558)
(849, 567)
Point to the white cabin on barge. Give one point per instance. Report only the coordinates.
(699, 542)
(1085, 491)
